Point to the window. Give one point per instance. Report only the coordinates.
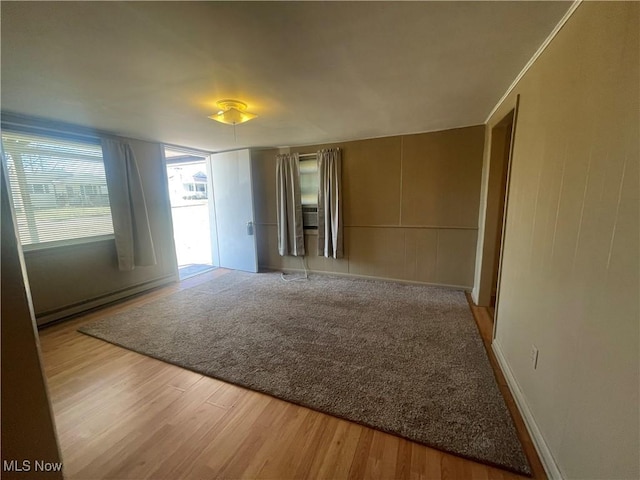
(89, 189)
(38, 188)
(58, 187)
(309, 184)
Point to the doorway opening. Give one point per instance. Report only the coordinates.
(500, 156)
(190, 193)
(500, 152)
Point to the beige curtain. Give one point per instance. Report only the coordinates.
(289, 205)
(330, 237)
(134, 244)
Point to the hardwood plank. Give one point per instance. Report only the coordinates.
(188, 379)
(181, 455)
(381, 460)
(418, 462)
(337, 457)
(434, 464)
(226, 396)
(403, 463)
(274, 459)
(479, 472)
(261, 445)
(310, 461)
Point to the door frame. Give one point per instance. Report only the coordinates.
(213, 220)
(206, 157)
(487, 245)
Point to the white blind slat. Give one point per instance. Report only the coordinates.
(58, 186)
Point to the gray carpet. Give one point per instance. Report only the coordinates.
(406, 359)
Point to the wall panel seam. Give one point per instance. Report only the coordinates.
(401, 193)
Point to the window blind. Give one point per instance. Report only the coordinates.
(58, 187)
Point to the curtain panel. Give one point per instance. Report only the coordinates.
(330, 230)
(134, 244)
(289, 205)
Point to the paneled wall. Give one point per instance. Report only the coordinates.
(570, 278)
(410, 208)
(65, 280)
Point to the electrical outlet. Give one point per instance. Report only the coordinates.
(534, 356)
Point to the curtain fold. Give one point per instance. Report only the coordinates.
(134, 244)
(289, 205)
(330, 236)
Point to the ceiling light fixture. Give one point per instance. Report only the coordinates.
(232, 112)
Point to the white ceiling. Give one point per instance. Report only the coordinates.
(314, 72)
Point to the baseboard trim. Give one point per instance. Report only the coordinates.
(45, 318)
(544, 453)
(474, 296)
(465, 288)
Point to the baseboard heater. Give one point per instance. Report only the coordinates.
(44, 319)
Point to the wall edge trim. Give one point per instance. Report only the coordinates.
(535, 56)
(544, 452)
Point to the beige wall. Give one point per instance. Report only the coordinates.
(69, 279)
(410, 208)
(28, 432)
(570, 267)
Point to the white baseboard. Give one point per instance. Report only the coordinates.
(544, 452)
(474, 295)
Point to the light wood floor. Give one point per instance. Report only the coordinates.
(120, 414)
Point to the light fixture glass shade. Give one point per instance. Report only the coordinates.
(232, 116)
(233, 112)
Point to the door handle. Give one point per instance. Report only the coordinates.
(249, 228)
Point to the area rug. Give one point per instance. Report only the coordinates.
(405, 359)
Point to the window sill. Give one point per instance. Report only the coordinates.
(65, 244)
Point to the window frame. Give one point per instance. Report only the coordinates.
(59, 136)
